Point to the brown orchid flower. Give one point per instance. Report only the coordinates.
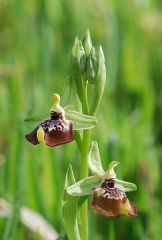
(59, 128)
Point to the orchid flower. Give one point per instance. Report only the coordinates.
(108, 193)
(59, 129)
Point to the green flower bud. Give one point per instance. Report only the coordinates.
(87, 43)
(94, 59)
(78, 64)
(82, 60)
(77, 50)
(90, 72)
(99, 82)
(89, 67)
(92, 64)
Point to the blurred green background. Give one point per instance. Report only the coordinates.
(36, 37)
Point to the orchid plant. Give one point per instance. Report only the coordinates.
(65, 125)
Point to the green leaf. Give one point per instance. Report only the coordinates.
(83, 187)
(81, 121)
(94, 160)
(126, 186)
(70, 209)
(37, 117)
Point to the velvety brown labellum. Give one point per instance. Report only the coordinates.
(112, 201)
(57, 131)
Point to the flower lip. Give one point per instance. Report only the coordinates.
(53, 132)
(111, 201)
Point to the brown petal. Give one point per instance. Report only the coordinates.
(59, 132)
(107, 207)
(133, 210)
(111, 201)
(32, 137)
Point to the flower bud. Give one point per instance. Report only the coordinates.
(87, 66)
(91, 70)
(78, 63)
(99, 82)
(94, 59)
(77, 50)
(87, 43)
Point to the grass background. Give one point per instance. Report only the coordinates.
(36, 37)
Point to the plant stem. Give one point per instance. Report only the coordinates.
(84, 153)
(84, 97)
(84, 174)
(78, 140)
(84, 167)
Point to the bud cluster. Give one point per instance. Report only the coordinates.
(88, 66)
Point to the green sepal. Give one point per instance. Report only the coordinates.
(81, 121)
(84, 187)
(94, 160)
(70, 209)
(37, 118)
(126, 186)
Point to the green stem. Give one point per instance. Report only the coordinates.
(78, 140)
(84, 167)
(84, 174)
(84, 97)
(84, 153)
